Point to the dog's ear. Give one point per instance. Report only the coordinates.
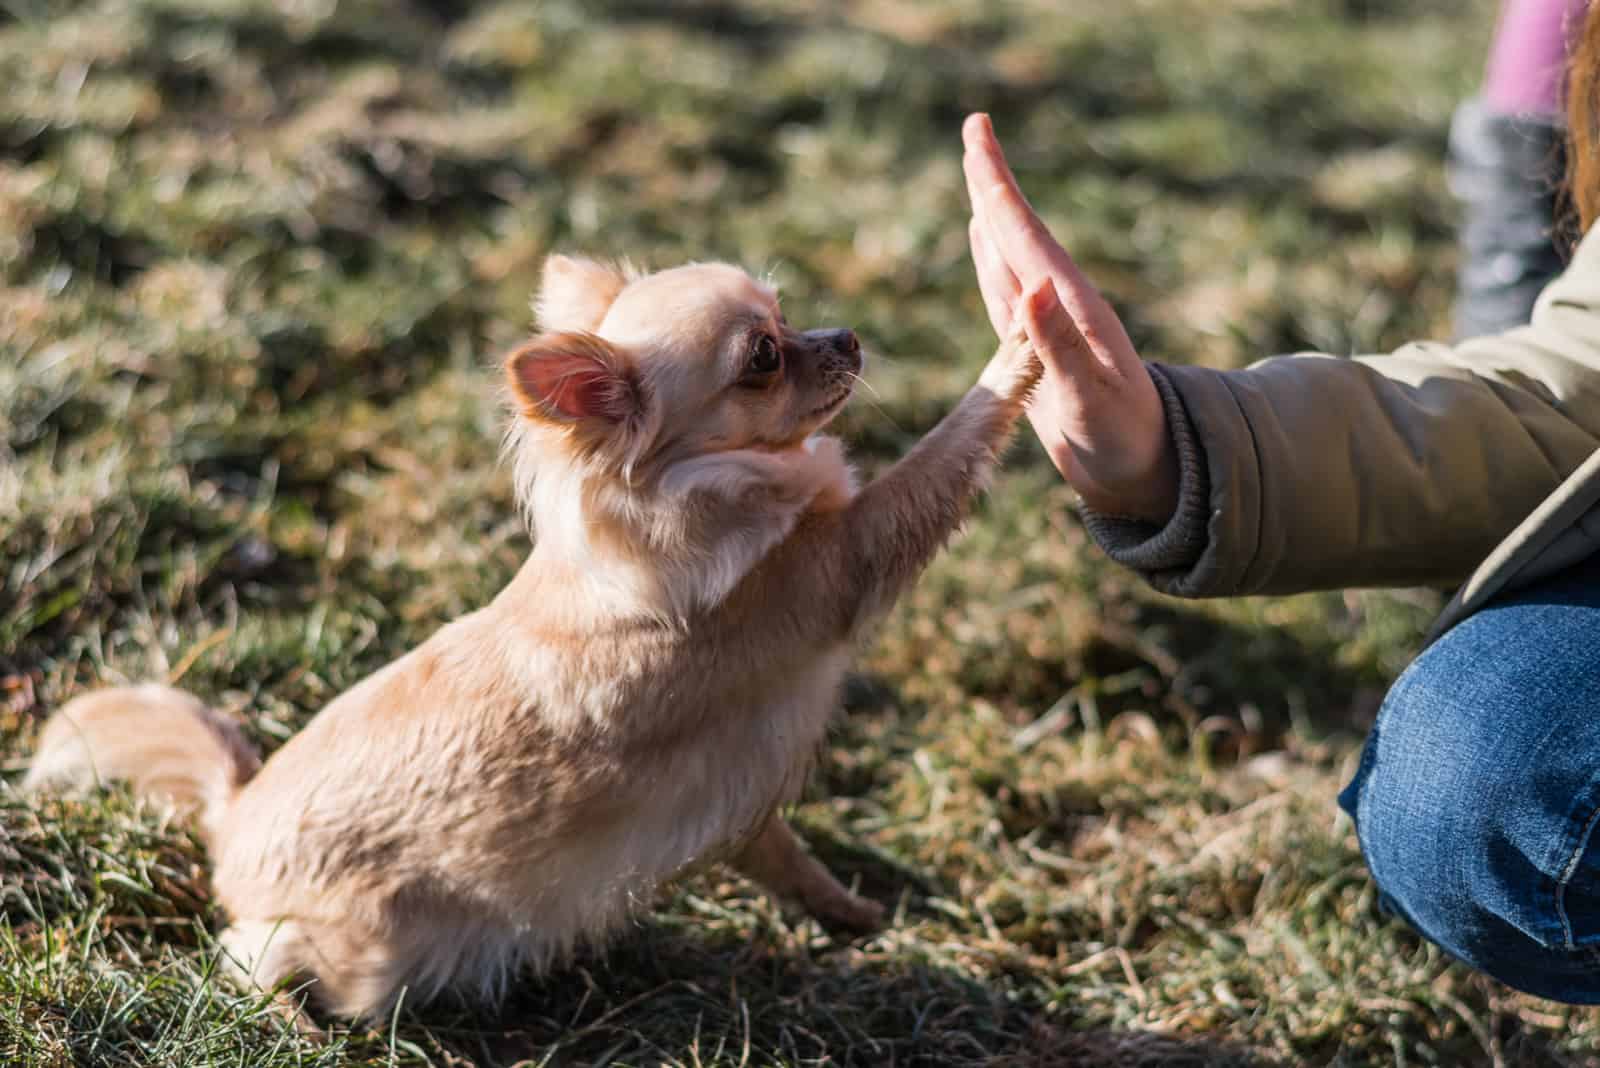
(575, 378)
(575, 293)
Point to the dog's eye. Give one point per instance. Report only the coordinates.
(765, 357)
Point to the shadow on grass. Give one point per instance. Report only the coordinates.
(1244, 684)
(684, 996)
(1261, 678)
(722, 987)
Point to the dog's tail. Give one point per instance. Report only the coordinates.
(161, 741)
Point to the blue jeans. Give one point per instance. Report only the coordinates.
(1477, 802)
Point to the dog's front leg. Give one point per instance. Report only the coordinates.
(894, 526)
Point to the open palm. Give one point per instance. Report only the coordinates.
(1097, 411)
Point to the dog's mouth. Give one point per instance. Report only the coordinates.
(832, 405)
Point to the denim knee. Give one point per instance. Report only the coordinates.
(1478, 796)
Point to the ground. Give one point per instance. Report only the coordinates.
(258, 261)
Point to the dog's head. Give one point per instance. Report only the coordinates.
(682, 363)
(665, 426)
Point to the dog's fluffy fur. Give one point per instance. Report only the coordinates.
(640, 699)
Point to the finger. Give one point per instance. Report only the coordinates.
(998, 285)
(997, 199)
(999, 205)
(977, 177)
(1016, 230)
(1026, 245)
(1056, 338)
(985, 173)
(981, 168)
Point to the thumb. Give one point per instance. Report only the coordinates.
(1056, 337)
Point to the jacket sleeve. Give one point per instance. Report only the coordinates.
(1315, 472)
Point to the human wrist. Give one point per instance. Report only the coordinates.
(1165, 547)
(1146, 486)
(1150, 495)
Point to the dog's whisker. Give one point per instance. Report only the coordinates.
(876, 401)
(881, 410)
(863, 381)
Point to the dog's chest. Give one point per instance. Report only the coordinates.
(736, 751)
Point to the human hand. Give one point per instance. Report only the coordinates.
(1097, 411)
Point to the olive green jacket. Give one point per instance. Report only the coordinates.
(1472, 465)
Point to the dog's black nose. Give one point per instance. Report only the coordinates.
(841, 340)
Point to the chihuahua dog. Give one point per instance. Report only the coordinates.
(641, 699)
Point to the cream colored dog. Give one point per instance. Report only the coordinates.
(639, 700)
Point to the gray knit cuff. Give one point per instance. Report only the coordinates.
(1163, 553)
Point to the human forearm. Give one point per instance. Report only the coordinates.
(1318, 472)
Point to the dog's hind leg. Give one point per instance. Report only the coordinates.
(776, 859)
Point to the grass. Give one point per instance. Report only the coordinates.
(256, 262)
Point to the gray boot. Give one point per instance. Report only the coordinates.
(1507, 173)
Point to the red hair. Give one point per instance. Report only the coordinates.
(1583, 121)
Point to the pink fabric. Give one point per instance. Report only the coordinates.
(1527, 61)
